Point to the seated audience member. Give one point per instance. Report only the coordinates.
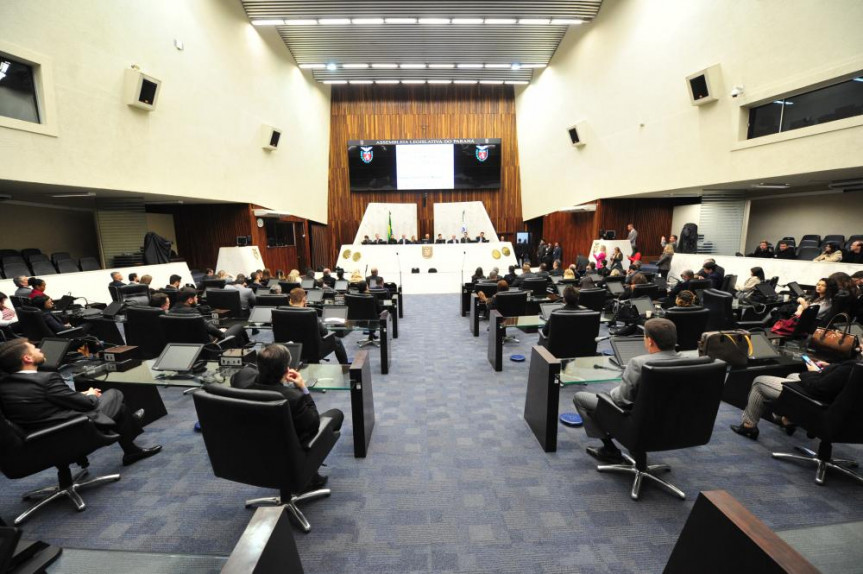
(660, 338)
(413, 239)
(510, 276)
(209, 273)
(293, 276)
(379, 284)
(493, 275)
(663, 264)
(634, 268)
(591, 268)
(173, 282)
(569, 274)
(133, 279)
(46, 305)
(187, 304)
(825, 290)
(854, 253)
(683, 285)
(22, 286)
(543, 271)
(254, 281)
(452, 239)
(146, 280)
(8, 318)
(556, 271)
(35, 400)
(672, 240)
(440, 239)
(785, 251)
(756, 277)
(37, 287)
(247, 296)
(403, 240)
(366, 240)
(222, 274)
(830, 254)
(847, 294)
(426, 238)
(276, 290)
(267, 275)
(160, 301)
(685, 299)
(525, 274)
(763, 250)
(273, 373)
(570, 298)
(116, 280)
(637, 279)
(298, 299)
(327, 279)
(465, 238)
(372, 279)
(822, 386)
(709, 272)
(481, 237)
(489, 301)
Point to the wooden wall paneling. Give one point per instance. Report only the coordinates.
(420, 112)
(202, 229)
(651, 218)
(573, 230)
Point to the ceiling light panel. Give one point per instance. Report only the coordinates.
(367, 21)
(334, 21)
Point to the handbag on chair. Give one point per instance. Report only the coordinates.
(733, 347)
(840, 344)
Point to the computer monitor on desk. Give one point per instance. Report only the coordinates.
(179, 357)
(341, 285)
(261, 315)
(307, 283)
(55, 351)
(314, 295)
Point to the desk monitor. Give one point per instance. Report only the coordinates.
(661, 284)
(55, 351)
(796, 289)
(261, 315)
(263, 291)
(561, 287)
(556, 279)
(334, 313)
(272, 283)
(341, 285)
(63, 304)
(545, 309)
(307, 283)
(643, 304)
(112, 309)
(537, 286)
(767, 290)
(179, 357)
(315, 295)
(595, 277)
(296, 351)
(616, 288)
(625, 348)
(762, 349)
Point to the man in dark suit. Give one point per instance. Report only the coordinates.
(116, 280)
(710, 272)
(784, 251)
(481, 237)
(465, 238)
(452, 239)
(366, 240)
(187, 304)
(298, 299)
(379, 240)
(854, 253)
(327, 279)
(22, 289)
(683, 285)
(440, 239)
(557, 252)
(373, 278)
(426, 239)
(404, 240)
(34, 400)
(273, 373)
(763, 250)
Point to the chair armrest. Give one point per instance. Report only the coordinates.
(62, 427)
(328, 336)
(795, 393)
(225, 340)
(71, 333)
(607, 403)
(611, 417)
(326, 427)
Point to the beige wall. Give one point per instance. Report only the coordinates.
(49, 229)
(203, 140)
(624, 76)
(828, 214)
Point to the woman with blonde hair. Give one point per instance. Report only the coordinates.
(599, 255)
(294, 276)
(664, 261)
(356, 276)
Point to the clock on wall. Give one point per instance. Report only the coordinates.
(260, 222)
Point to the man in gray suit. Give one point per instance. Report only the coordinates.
(660, 337)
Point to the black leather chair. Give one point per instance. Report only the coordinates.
(593, 299)
(536, 285)
(837, 240)
(571, 333)
(233, 422)
(837, 422)
(89, 264)
(807, 253)
(676, 408)
(645, 290)
(207, 284)
(363, 307)
(729, 284)
(137, 295)
(483, 287)
(143, 330)
(30, 251)
(698, 286)
(15, 269)
(59, 256)
(287, 287)
(225, 299)
(67, 266)
(300, 325)
(511, 304)
(191, 329)
(811, 237)
(271, 300)
(690, 322)
(60, 445)
(718, 303)
(33, 326)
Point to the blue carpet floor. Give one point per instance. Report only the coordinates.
(454, 480)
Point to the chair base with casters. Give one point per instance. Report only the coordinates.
(289, 501)
(68, 486)
(823, 460)
(642, 470)
(369, 341)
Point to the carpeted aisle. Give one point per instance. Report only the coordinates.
(454, 480)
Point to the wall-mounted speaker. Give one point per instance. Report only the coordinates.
(141, 91)
(270, 137)
(703, 86)
(577, 133)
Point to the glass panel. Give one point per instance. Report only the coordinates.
(764, 120)
(17, 91)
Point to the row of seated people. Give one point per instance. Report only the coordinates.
(814, 240)
(33, 261)
(404, 240)
(828, 252)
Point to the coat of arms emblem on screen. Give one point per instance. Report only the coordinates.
(366, 154)
(482, 152)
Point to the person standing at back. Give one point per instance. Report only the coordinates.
(632, 237)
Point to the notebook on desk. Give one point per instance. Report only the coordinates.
(767, 290)
(55, 351)
(296, 350)
(341, 285)
(307, 283)
(334, 313)
(545, 309)
(661, 284)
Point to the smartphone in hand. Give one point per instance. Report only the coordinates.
(812, 363)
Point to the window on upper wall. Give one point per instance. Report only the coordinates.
(831, 103)
(279, 233)
(18, 98)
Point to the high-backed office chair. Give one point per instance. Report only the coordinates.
(811, 237)
(207, 284)
(18, 302)
(59, 256)
(729, 283)
(233, 421)
(300, 325)
(172, 293)
(191, 329)
(27, 252)
(790, 241)
(67, 266)
(89, 264)
(676, 408)
(837, 422)
(690, 322)
(288, 287)
(33, 326)
(363, 307)
(9, 253)
(644, 290)
(144, 331)
(718, 303)
(538, 286)
(807, 253)
(851, 241)
(36, 257)
(60, 445)
(511, 304)
(137, 295)
(225, 299)
(837, 240)
(14, 269)
(571, 333)
(699, 285)
(484, 287)
(593, 299)
(271, 300)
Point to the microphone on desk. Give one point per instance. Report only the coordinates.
(601, 339)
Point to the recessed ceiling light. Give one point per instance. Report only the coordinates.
(467, 20)
(469, 66)
(355, 66)
(434, 20)
(566, 22)
(517, 82)
(413, 81)
(385, 66)
(312, 66)
(500, 20)
(332, 67)
(516, 66)
(464, 82)
(335, 81)
(267, 22)
(413, 66)
(301, 22)
(441, 66)
(533, 65)
(65, 195)
(386, 81)
(401, 20)
(497, 66)
(535, 21)
(439, 81)
(334, 21)
(361, 21)
(361, 81)
(491, 82)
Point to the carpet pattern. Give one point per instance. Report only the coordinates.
(454, 480)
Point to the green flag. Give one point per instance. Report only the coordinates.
(390, 226)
